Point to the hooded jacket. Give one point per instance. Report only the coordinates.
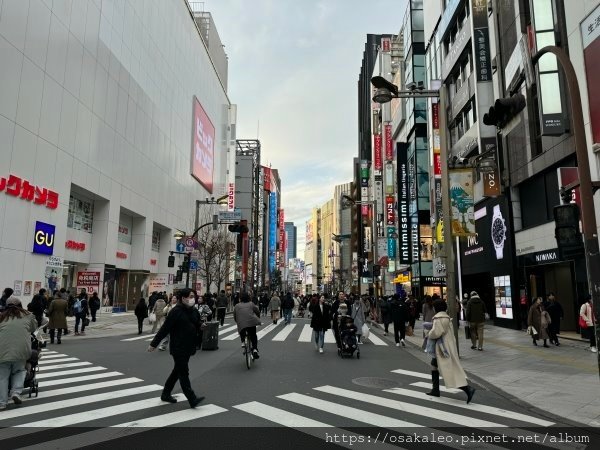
(475, 309)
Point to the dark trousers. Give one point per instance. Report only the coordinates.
(52, 335)
(336, 334)
(553, 332)
(251, 332)
(93, 312)
(386, 322)
(140, 324)
(399, 327)
(412, 321)
(78, 319)
(180, 372)
(221, 315)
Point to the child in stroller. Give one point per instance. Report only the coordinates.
(348, 337)
(37, 343)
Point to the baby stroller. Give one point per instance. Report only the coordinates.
(37, 343)
(347, 337)
(301, 310)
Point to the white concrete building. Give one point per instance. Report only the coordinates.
(104, 107)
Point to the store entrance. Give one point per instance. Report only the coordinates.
(483, 284)
(557, 278)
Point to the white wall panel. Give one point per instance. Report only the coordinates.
(30, 96)
(38, 29)
(13, 22)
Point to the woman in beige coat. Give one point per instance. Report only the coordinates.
(57, 313)
(446, 361)
(539, 319)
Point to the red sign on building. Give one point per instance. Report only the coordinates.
(121, 255)
(231, 197)
(389, 145)
(79, 246)
(378, 156)
(88, 278)
(437, 164)
(18, 187)
(389, 209)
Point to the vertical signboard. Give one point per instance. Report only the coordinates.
(378, 157)
(481, 40)
(389, 144)
(491, 180)
(386, 44)
(272, 230)
(203, 141)
(590, 33)
(462, 202)
(231, 197)
(364, 184)
(389, 209)
(403, 217)
(389, 178)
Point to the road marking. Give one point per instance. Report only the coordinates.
(64, 366)
(329, 337)
(97, 376)
(145, 336)
(347, 411)
(43, 362)
(231, 337)
(442, 388)
(284, 333)
(265, 330)
(173, 418)
(457, 419)
(227, 330)
(306, 334)
(376, 339)
(47, 356)
(94, 414)
(77, 401)
(46, 352)
(43, 376)
(86, 387)
(410, 373)
(280, 416)
(472, 406)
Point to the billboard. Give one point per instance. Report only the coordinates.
(203, 143)
(272, 230)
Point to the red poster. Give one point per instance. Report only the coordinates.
(386, 44)
(378, 156)
(231, 197)
(389, 147)
(267, 178)
(203, 142)
(435, 112)
(389, 210)
(437, 165)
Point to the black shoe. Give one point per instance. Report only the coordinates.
(470, 391)
(255, 354)
(473, 347)
(535, 343)
(58, 342)
(196, 402)
(557, 344)
(168, 398)
(546, 345)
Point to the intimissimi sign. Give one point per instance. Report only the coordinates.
(403, 199)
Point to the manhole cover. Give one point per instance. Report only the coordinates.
(376, 383)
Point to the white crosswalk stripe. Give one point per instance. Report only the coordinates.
(137, 338)
(410, 373)
(64, 366)
(44, 361)
(285, 332)
(96, 376)
(306, 334)
(61, 373)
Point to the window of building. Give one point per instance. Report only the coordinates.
(539, 195)
(81, 213)
(155, 241)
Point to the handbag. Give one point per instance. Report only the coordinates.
(410, 331)
(531, 331)
(86, 321)
(365, 331)
(151, 317)
(582, 323)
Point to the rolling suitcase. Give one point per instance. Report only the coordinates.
(210, 336)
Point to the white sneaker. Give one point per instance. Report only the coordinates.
(320, 350)
(594, 349)
(397, 344)
(403, 344)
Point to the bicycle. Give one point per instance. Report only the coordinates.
(248, 356)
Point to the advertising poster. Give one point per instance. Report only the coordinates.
(88, 281)
(53, 273)
(462, 202)
(158, 283)
(378, 152)
(27, 286)
(203, 142)
(503, 297)
(108, 288)
(37, 286)
(272, 230)
(18, 286)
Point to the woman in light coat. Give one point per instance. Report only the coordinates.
(586, 312)
(358, 314)
(159, 313)
(447, 361)
(539, 319)
(275, 306)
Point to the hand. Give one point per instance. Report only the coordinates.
(151, 349)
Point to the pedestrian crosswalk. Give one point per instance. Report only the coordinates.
(299, 332)
(73, 396)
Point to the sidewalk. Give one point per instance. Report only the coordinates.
(561, 380)
(108, 324)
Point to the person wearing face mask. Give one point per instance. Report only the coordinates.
(182, 325)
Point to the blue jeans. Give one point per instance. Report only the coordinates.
(287, 315)
(15, 372)
(319, 337)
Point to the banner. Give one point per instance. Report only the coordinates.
(158, 283)
(481, 41)
(231, 197)
(462, 202)
(367, 239)
(89, 281)
(378, 158)
(389, 144)
(403, 211)
(390, 211)
(203, 138)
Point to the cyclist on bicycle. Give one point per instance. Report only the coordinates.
(247, 316)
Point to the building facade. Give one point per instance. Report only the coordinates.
(110, 128)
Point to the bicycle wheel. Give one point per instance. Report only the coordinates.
(248, 352)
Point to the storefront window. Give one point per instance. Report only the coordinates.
(125, 229)
(155, 241)
(426, 243)
(81, 213)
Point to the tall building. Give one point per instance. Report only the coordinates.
(292, 240)
(100, 170)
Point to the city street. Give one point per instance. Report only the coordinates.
(88, 384)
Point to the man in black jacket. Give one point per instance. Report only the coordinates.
(221, 307)
(182, 325)
(399, 312)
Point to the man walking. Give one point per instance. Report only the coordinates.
(221, 307)
(399, 312)
(556, 313)
(476, 317)
(182, 325)
(288, 307)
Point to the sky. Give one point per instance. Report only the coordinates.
(293, 73)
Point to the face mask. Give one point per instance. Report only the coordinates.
(190, 301)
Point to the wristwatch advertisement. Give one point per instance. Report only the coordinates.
(498, 232)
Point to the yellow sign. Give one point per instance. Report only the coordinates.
(439, 232)
(401, 278)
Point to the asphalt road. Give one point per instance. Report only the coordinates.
(104, 393)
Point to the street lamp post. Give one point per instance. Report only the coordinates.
(384, 93)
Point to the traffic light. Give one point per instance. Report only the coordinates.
(376, 270)
(568, 237)
(504, 110)
(238, 228)
(178, 275)
(171, 262)
(566, 195)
